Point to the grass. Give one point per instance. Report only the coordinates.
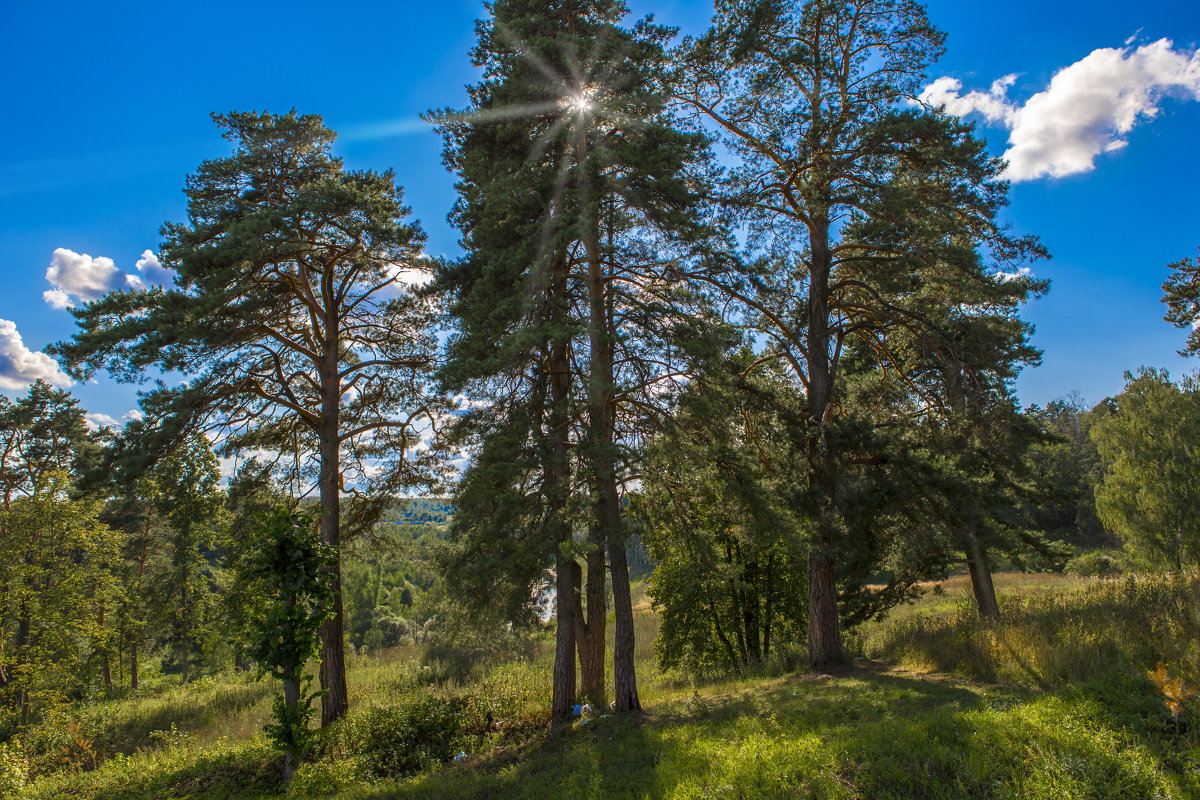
(1050, 704)
(868, 733)
(1052, 631)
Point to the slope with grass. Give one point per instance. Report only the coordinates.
(877, 729)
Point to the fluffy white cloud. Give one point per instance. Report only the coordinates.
(992, 104)
(20, 366)
(1087, 109)
(77, 277)
(151, 272)
(80, 278)
(95, 421)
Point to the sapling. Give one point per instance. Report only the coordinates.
(290, 571)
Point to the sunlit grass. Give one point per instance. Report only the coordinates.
(1052, 631)
(1050, 729)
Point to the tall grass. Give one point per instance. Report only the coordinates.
(1049, 638)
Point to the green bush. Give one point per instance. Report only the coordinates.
(1096, 563)
(399, 741)
(14, 769)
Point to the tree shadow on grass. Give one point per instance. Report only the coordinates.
(234, 773)
(130, 731)
(864, 733)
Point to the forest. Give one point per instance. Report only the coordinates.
(700, 473)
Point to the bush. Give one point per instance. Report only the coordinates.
(394, 742)
(14, 769)
(1096, 563)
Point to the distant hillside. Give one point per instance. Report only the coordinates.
(420, 511)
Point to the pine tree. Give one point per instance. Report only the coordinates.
(291, 321)
(575, 196)
(850, 195)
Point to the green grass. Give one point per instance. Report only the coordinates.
(1053, 631)
(869, 733)
(1070, 715)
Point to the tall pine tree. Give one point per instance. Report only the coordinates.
(576, 196)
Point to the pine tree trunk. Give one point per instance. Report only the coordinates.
(624, 676)
(556, 474)
(133, 663)
(335, 700)
(590, 631)
(824, 627)
(981, 578)
(602, 422)
(563, 690)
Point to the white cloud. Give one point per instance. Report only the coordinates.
(20, 366)
(1022, 272)
(77, 277)
(80, 278)
(95, 421)
(1086, 111)
(151, 272)
(992, 104)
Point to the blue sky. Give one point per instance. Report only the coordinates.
(107, 110)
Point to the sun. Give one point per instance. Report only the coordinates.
(579, 101)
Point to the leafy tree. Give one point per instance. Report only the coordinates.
(291, 321)
(57, 569)
(1067, 465)
(41, 433)
(252, 494)
(184, 489)
(854, 200)
(1150, 489)
(287, 577)
(717, 484)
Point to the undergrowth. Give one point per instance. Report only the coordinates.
(1052, 702)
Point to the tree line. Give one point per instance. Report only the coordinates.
(738, 295)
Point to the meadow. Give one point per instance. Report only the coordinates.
(1052, 702)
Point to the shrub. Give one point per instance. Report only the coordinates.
(14, 769)
(1096, 563)
(393, 742)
